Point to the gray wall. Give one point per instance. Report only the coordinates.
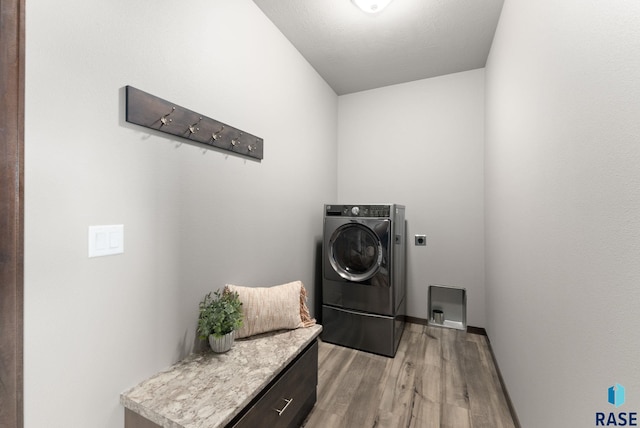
(563, 206)
(420, 144)
(194, 219)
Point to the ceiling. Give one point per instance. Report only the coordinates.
(410, 40)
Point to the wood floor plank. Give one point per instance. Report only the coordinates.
(426, 415)
(439, 378)
(320, 418)
(479, 360)
(407, 397)
(398, 389)
(454, 416)
(453, 381)
(345, 386)
(433, 355)
(480, 403)
(431, 383)
(363, 410)
(330, 377)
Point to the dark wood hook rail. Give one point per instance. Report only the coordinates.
(155, 113)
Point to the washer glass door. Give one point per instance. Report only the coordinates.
(355, 252)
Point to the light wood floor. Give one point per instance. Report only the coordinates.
(439, 378)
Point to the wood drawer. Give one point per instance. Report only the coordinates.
(289, 399)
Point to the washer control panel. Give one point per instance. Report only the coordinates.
(358, 210)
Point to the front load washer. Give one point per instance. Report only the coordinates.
(363, 281)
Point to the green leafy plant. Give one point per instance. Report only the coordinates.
(220, 314)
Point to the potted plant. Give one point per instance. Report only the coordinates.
(220, 315)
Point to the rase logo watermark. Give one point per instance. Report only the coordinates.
(616, 397)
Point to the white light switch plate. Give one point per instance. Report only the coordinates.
(106, 240)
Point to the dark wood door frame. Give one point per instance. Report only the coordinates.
(12, 53)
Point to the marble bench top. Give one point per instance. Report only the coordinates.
(206, 390)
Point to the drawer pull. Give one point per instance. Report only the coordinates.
(285, 406)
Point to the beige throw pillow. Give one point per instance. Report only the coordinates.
(272, 308)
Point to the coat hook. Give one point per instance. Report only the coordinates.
(164, 120)
(193, 129)
(216, 135)
(252, 147)
(235, 141)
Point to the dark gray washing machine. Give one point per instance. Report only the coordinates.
(363, 279)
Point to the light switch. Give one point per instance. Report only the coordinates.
(114, 239)
(100, 239)
(106, 240)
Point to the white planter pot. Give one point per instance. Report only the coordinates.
(222, 343)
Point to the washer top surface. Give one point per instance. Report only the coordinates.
(362, 210)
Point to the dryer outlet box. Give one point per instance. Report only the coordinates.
(421, 240)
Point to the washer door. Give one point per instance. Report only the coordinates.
(355, 252)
